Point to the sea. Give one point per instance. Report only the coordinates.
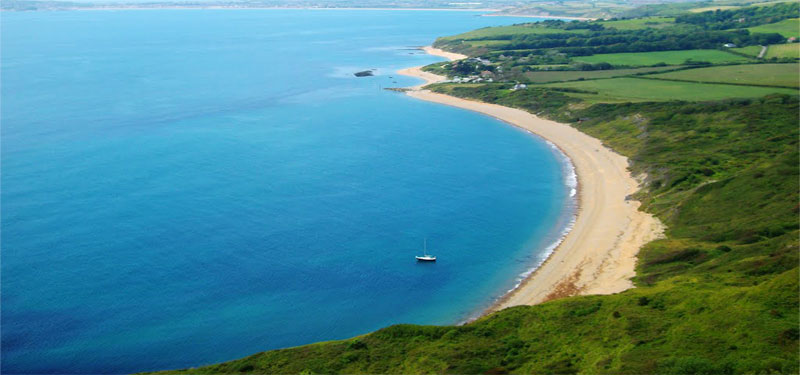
(184, 187)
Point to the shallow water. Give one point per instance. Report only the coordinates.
(182, 187)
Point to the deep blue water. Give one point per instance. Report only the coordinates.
(182, 187)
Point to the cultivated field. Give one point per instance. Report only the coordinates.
(638, 90)
(639, 23)
(786, 75)
(749, 50)
(666, 57)
(783, 50)
(573, 75)
(712, 8)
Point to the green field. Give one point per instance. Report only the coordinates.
(639, 23)
(787, 28)
(712, 8)
(666, 57)
(786, 75)
(493, 33)
(636, 90)
(487, 43)
(749, 50)
(791, 50)
(573, 75)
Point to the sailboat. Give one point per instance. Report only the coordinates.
(425, 257)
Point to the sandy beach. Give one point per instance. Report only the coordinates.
(598, 256)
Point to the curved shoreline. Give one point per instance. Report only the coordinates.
(598, 255)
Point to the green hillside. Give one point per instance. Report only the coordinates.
(788, 28)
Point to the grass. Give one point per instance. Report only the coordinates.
(487, 43)
(749, 50)
(666, 57)
(713, 8)
(496, 33)
(785, 75)
(572, 75)
(787, 28)
(638, 90)
(639, 23)
(790, 50)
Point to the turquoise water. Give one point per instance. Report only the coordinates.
(182, 187)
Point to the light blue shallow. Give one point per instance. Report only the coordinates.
(182, 187)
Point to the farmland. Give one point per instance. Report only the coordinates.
(791, 50)
(785, 75)
(665, 57)
(713, 8)
(637, 90)
(574, 75)
(749, 50)
(639, 23)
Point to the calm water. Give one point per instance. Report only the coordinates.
(182, 187)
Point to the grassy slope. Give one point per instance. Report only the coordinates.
(785, 75)
(507, 31)
(638, 89)
(787, 28)
(784, 50)
(749, 50)
(639, 23)
(667, 57)
(712, 8)
(718, 296)
(572, 75)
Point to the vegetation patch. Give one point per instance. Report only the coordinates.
(788, 28)
(575, 75)
(639, 23)
(713, 8)
(742, 17)
(751, 51)
(638, 89)
(665, 57)
(507, 32)
(783, 75)
(790, 50)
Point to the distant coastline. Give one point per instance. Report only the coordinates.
(598, 255)
(65, 6)
(211, 5)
